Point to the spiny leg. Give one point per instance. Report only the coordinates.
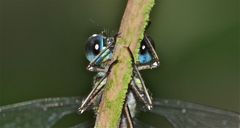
(97, 69)
(139, 93)
(144, 89)
(128, 116)
(155, 62)
(126, 119)
(93, 64)
(95, 91)
(92, 95)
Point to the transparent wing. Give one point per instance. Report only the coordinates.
(189, 115)
(42, 113)
(139, 124)
(82, 125)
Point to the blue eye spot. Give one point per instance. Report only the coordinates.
(145, 58)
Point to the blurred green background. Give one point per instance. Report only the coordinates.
(42, 48)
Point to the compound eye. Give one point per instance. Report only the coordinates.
(143, 48)
(94, 46)
(144, 51)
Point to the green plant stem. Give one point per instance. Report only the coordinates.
(131, 32)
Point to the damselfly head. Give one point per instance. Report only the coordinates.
(98, 43)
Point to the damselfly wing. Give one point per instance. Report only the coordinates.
(44, 113)
(183, 114)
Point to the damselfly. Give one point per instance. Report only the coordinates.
(99, 52)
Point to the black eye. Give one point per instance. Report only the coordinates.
(94, 46)
(143, 47)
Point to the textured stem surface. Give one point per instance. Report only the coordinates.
(131, 32)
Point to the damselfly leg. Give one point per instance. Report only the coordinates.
(127, 115)
(139, 92)
(96, 91)
(92, 96)
(142, 88)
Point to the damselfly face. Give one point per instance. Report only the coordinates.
(98, 42)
